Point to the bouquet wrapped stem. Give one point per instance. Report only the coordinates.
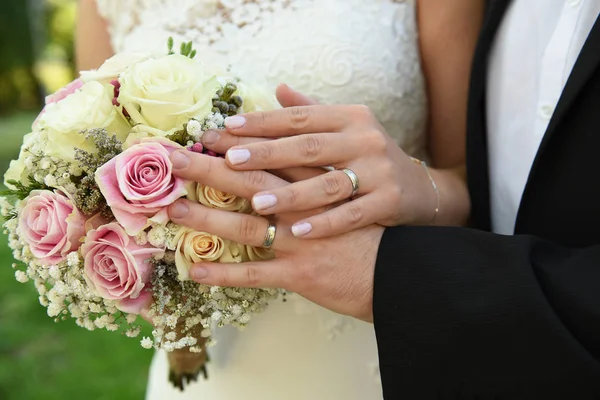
(184, 365)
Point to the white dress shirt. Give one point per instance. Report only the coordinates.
(533, 55)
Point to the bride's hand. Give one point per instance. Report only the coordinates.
(393, 189)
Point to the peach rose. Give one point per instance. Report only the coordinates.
(194, 247)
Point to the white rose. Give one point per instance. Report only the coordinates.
(89, 107)
(215, 198)
(17, 170)
(166, 92)
(194, 247)
(256, 98)
(113, 67)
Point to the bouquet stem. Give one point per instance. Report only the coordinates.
(185, 366)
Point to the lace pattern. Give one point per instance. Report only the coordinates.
(295, 41)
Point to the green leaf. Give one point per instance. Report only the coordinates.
(193, 54)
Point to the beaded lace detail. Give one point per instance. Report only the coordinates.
(337, 51)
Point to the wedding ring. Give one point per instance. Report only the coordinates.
(353, 180)
(270, 235)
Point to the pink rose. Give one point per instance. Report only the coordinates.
(51, 226)
(61, 94)
(64, 92)
(138, 184)
(116, 268)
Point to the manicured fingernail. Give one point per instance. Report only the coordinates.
(263, 201)
(180, 160)
(178, 210)
(238, 156)
(301, 229)
(198, 273)
(235, 122)
(210, 137)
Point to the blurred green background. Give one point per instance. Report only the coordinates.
(40, 359)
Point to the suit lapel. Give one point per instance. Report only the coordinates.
(587, 63)
(477, 158)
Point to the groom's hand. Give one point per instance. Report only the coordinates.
(335, 272)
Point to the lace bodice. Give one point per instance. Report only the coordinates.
(337, 51)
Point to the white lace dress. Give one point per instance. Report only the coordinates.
(337, 51)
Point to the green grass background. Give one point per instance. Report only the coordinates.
(41, 359)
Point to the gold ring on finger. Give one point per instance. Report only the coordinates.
(270, 235)
(353, 180)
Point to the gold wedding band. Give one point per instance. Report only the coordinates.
(270, 235)
(353, 180)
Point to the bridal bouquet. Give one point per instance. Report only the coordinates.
(86, 205)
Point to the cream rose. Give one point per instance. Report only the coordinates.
(259, 253)
(166, 92)
(113, 67)
(234, 253)
(215, 198)
(89, 107)
(256, 98)
(194, 247)
(17, 170)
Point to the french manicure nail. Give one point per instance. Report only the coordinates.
(179, 160)
(198, 273)
(235, 122)
(210, 137)
(178, 210)
(263, 201)
(301, 229)
(238, 156)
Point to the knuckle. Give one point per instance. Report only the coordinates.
(395, 194)
(362, 111)
(252, 275)
(299, 117)
(225, 277)
(248, 230)
(255, 180)
(264, 152)
(310, 146)
(331, 184)
(354, 214)
(376, 140)
(293, 195)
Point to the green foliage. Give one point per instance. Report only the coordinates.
(21, 191)
(185, 49)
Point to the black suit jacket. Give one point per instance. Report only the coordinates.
(466, 314)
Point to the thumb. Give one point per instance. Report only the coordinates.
(288, 97)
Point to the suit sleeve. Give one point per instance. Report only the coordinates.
(461, 313)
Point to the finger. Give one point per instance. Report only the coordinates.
(295, 120)
(221, 141)
(214, 172)
(321, 191)
(237, 227)
(311, 150)
(288, 97)
(347, 217)
(298, 174)
(265, 274)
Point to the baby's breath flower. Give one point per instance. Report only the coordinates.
(147, 343)
(21, 276)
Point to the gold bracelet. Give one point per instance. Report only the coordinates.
(433, 184)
